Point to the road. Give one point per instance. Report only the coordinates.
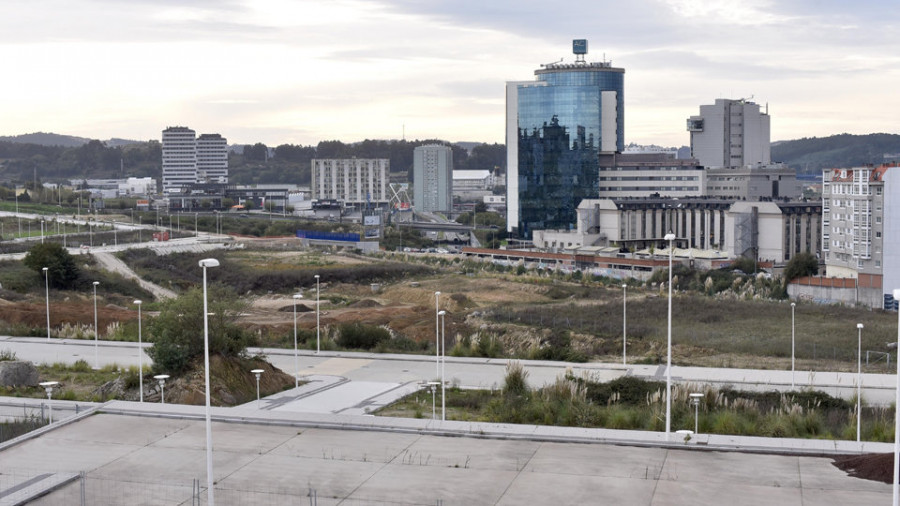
(364, 381)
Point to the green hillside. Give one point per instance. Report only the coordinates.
(811, 155)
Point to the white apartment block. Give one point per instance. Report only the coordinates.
(432, 178)
(187, 160)
(354, 181)
(212, 159)
(730, 133)
(861, 227)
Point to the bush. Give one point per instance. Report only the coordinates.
(61, 269)
(360, 336)
(516, 381)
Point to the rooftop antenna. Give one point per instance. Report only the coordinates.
(552, 63)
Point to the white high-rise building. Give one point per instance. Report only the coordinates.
(353, 181)
(188, 160)
(212, 159)
(730, 133)
(179, 158)
(432, 178)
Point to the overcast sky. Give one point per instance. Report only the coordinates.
(282, 71)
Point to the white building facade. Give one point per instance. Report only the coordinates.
(433, 178)
(187, 160)
(643, 174)
(730, 133)
(356, 182)
(861, 228)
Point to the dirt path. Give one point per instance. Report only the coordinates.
(111, 263)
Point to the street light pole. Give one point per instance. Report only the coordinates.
(96, 331)
(671, 238)
(47, 288)
(443, 359)
(140, 353)
(793, 305)
(318, 342)
(296, 359)
(624, 322)
(257, 373)
(896, 491)
(859, 327)
(437, 336)
(206, 263)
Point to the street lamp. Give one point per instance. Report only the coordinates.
(859, 327)
(443, 358)
(47, 288)
(205, 263)
(48, 386)
(624, 321)
(695, 401)
(432, 385)
(793, 305)
(318, 345)
(96, 332)
(437, 336)
(257, 373)
(161, 378)
(297, 296)
(671, 238)
(140, 353)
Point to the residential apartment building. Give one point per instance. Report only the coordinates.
(432, 178)
(861, 228)
(356, 182)
(187, 160)
(556, 128)
(212, 159)
(730, 133)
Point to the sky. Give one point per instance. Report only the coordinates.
(303, 71)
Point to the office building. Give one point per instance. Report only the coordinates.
(644, 174)
(776, 181)
(730, 133)
(354, 182)
(432, 178)
(556, 128)
(187, 160)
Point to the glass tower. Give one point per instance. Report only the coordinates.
(557, 126)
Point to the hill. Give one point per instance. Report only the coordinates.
(47, 139)
(811, 155)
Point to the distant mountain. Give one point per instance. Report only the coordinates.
(811, 155)
(65, 141)
(47, 139)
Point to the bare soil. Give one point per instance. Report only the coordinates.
(873, 466)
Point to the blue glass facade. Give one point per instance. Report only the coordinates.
(560, 122)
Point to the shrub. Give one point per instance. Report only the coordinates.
(515, 382)
(360, 336)
(61, 269)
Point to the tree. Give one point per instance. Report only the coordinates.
(177, 333)
(61, 268)
(802, 264)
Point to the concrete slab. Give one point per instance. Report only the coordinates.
(351, 445)
(729, 469)
(578, 489)
(598, 460)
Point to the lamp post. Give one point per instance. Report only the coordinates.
(671, 238)
(297, 296)
(96, 332)
(859, 327)
(42, 231)
(257, 373)
(793, 305)
(437, 336)
(161, 378)
(443, 358)
(695, 401)
(48, 386)
(47, 288)
(896, 491)
(624, 321)
(140, 353)
(318, 344)
(206, 263)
